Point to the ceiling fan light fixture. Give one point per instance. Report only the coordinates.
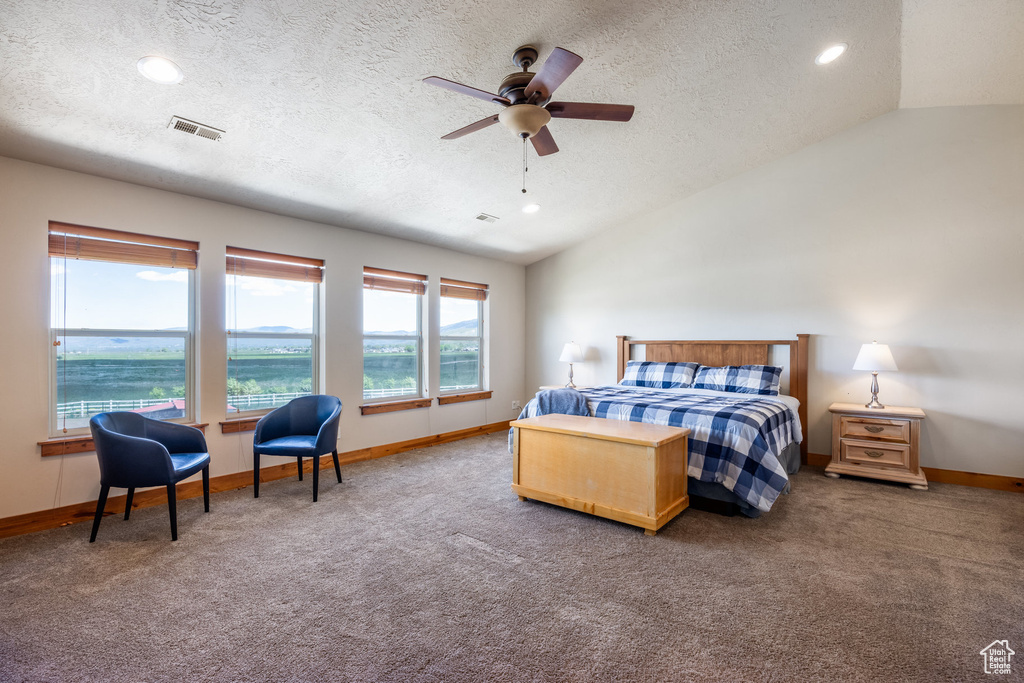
(531, 208)
(525, 120)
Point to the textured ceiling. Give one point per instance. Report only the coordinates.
(327, 119)
(961, 53)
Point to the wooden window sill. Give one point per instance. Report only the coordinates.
(392, 406)
(462, 398)
(83, 442)
(240, 424)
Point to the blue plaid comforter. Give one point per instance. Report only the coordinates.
(733, 441)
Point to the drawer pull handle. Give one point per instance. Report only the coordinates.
(874, 454)
(873, 429)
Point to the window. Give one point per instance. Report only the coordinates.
(121, 325)
(462, 307)
(272, 305)
(392, 334)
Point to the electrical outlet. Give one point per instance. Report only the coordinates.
(516, 408)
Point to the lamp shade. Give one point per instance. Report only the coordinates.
(571, 353)
(875, 357)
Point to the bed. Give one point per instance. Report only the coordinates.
(743, 447)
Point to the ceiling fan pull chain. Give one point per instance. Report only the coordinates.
(524, 166)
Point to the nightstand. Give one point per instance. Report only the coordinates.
(878, 443)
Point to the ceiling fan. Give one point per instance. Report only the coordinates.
(526, 97)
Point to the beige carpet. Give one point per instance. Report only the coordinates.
(425, 566)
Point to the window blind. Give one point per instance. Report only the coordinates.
(268, 264)
(99, 244)
(459, 289)
(394, 281)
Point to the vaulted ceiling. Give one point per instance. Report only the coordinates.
(326, 117)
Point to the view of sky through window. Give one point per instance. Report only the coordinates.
(269, 302)
(389, 312)
(102, 295)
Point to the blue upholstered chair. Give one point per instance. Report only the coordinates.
(135, 451)
(306, 427)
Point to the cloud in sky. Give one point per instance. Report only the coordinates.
(153, 276)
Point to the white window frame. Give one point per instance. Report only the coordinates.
(312, 336)
(418, 338)
(57, 343)
(479, 337)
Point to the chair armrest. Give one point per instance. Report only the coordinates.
(327, 436)
(176, 438)
(272, 426)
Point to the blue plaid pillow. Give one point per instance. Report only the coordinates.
(642, 373)
(740, 379)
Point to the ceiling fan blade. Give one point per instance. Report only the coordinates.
(466, 90)
(591, 111)
(471, 128)
(560, 63)
(544, 143)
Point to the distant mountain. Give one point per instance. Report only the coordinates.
(392, 333)
(465, 328)
(276, 329)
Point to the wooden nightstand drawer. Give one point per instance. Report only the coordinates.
(874, 428)
(874, 454)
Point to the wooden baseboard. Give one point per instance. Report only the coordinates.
(983, 481)
(818, 459)
(82, 512)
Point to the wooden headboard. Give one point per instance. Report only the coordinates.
(730, 352)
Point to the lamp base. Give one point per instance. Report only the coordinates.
(874, 405)
(569, 384)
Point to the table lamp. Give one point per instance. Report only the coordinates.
(571, 353)
(875, 358)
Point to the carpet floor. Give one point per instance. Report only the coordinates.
(424, 566)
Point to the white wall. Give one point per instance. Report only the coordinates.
(31, 195)
(908, 229)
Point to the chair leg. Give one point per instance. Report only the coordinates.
(337, 465)
(255, 474)
(316, 476)
(300, 469)
(128, 504)
(172, 508)
(100, 504)
(206, 488)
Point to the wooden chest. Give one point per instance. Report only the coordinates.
(627, 471)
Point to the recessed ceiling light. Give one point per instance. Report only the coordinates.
(160, 70)
(830, 54)
(531, 208)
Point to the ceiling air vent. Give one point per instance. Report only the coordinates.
(486, 218)
(193, 128)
